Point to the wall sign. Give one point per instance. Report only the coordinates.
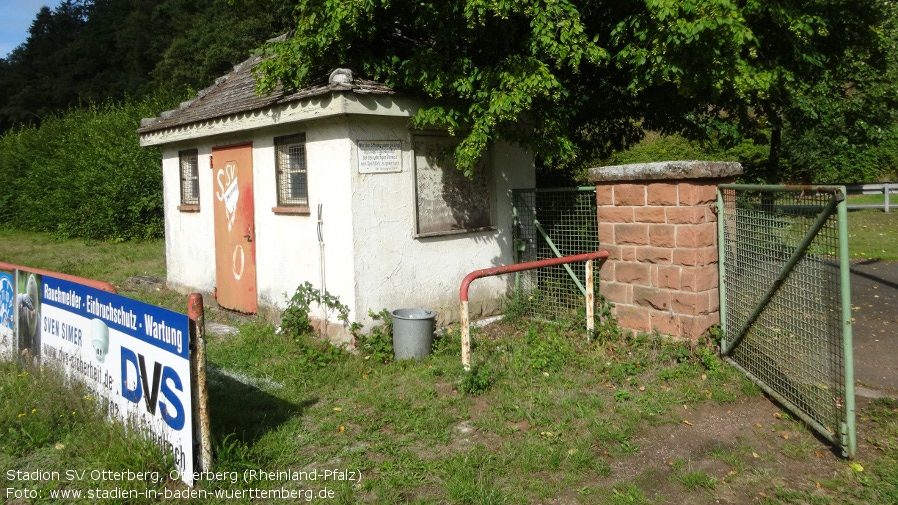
(379, 156)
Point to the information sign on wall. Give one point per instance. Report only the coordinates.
(379, 156)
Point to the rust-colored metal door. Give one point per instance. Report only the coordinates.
(235, 251)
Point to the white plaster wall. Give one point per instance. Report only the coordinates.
(372, 258)
(287, 247)
(393, 268)
(189, 239)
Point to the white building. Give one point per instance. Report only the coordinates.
(328, 185)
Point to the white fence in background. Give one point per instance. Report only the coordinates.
(883, 188)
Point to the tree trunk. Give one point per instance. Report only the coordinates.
(776, 144)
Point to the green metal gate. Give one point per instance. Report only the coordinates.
(550, 223)
(785, 299)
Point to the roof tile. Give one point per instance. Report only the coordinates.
(236, 93)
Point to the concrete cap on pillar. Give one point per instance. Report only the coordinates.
(666, 170)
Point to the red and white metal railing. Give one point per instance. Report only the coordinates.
(520, 267)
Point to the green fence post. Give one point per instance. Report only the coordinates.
(721, 267)
(515, 226)
(850, 432)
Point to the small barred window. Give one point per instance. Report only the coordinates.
(292, 183)
(190, 187)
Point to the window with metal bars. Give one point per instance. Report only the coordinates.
(190, 186)
(292, 182)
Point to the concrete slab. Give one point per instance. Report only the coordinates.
(220, 328)
(874, 300)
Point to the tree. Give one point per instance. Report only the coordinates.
(92, 51)
(220, 34)
(40, 78)
(844, 127)
(577, 78)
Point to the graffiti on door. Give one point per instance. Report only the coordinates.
(238, 259)
(235, 274)
(228, 191)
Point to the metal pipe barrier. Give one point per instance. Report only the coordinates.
(885, 189)
(520, 267)
(200, 387)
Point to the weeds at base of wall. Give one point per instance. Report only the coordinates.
(531, 304)
(544, 346)
(377, 344)
(296, 322)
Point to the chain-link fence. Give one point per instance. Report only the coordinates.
(784, 280)
(550, 223)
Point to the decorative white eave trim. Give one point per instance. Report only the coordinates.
(316, 107)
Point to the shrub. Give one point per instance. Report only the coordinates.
(377, 343)
(475, 382)
(296, 320)
(84, 174)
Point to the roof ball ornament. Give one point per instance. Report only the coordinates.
(341, 78)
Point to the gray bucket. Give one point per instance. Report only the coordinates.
(412, 333)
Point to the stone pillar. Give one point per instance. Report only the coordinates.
(659, 222)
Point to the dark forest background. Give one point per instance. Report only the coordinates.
(92, 51)
(72, 96)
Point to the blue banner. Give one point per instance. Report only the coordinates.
(7, 300)
(156, 326)
(133, 355)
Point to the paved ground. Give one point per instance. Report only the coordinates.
(874, 299)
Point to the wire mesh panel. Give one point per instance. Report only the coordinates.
(785, 299)
(552, 223)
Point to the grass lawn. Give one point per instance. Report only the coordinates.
(873, 234)
(115, 263)
(110, 262)
(872, 200)
(545, 417)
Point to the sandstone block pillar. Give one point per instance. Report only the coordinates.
(659, 222)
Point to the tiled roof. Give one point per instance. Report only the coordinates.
(236, 93)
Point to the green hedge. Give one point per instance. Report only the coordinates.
(84, 174)
(818, 158)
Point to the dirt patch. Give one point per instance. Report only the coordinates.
(731, 453)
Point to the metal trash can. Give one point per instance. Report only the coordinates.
(412, 333)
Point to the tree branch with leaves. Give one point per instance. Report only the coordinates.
(575, 79)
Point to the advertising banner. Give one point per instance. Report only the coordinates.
(27, 309)
(7, 315)
(131, 355)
